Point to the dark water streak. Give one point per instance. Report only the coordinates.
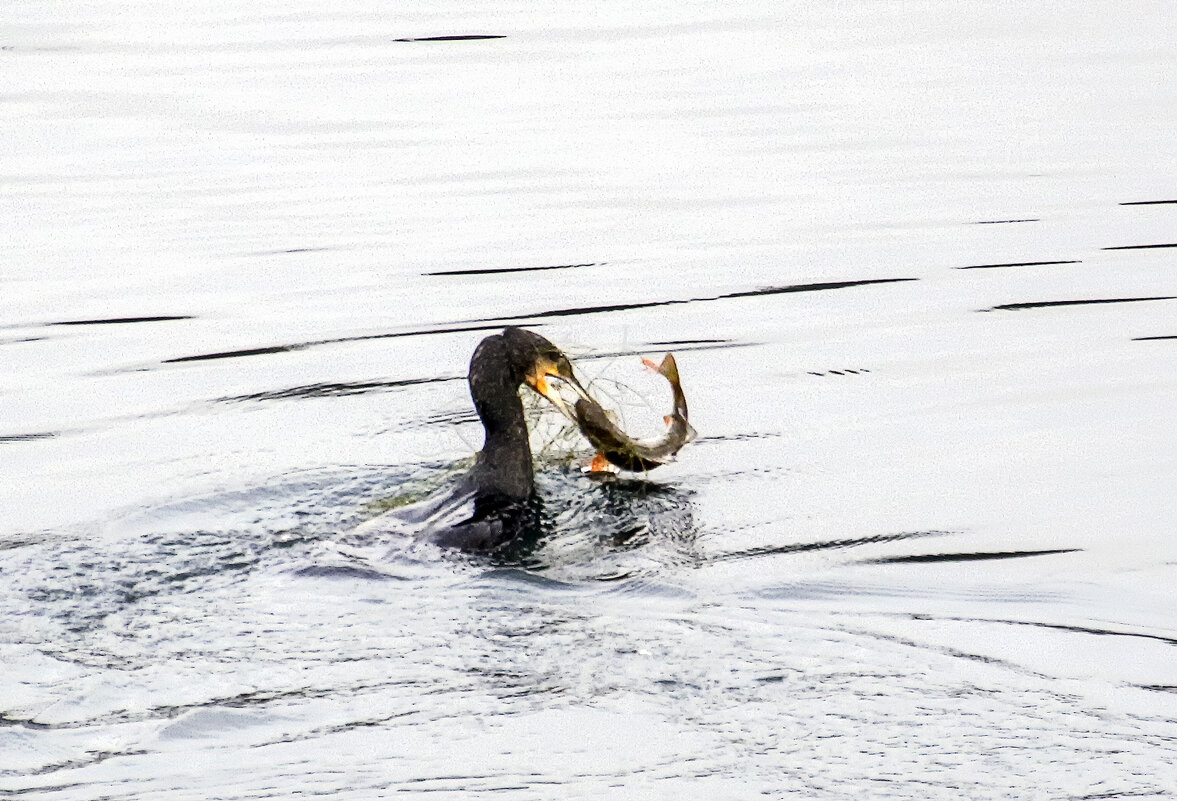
(125, 320)
(470, 37)
(979, 556)
(503, 270)
(1017, 264)
(771, 290)
(493, 323)
(1041, 304)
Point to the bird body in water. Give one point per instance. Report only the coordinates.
(501, 484)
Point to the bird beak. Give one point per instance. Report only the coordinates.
(580, 391)
(538, 380)
(541, 385)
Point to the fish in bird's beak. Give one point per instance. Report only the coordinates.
(561, 369)
(617, 449)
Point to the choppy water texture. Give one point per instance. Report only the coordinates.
(916, 261)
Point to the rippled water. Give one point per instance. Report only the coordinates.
(915, 261)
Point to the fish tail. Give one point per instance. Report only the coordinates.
(668, 369)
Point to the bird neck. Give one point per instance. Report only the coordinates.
(505, 459)
(504, 465)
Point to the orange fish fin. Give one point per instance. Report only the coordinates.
(600, 464)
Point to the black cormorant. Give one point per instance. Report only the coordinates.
(501, 483)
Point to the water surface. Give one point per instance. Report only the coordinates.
(915, 262)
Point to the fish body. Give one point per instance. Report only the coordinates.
(616, 449)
